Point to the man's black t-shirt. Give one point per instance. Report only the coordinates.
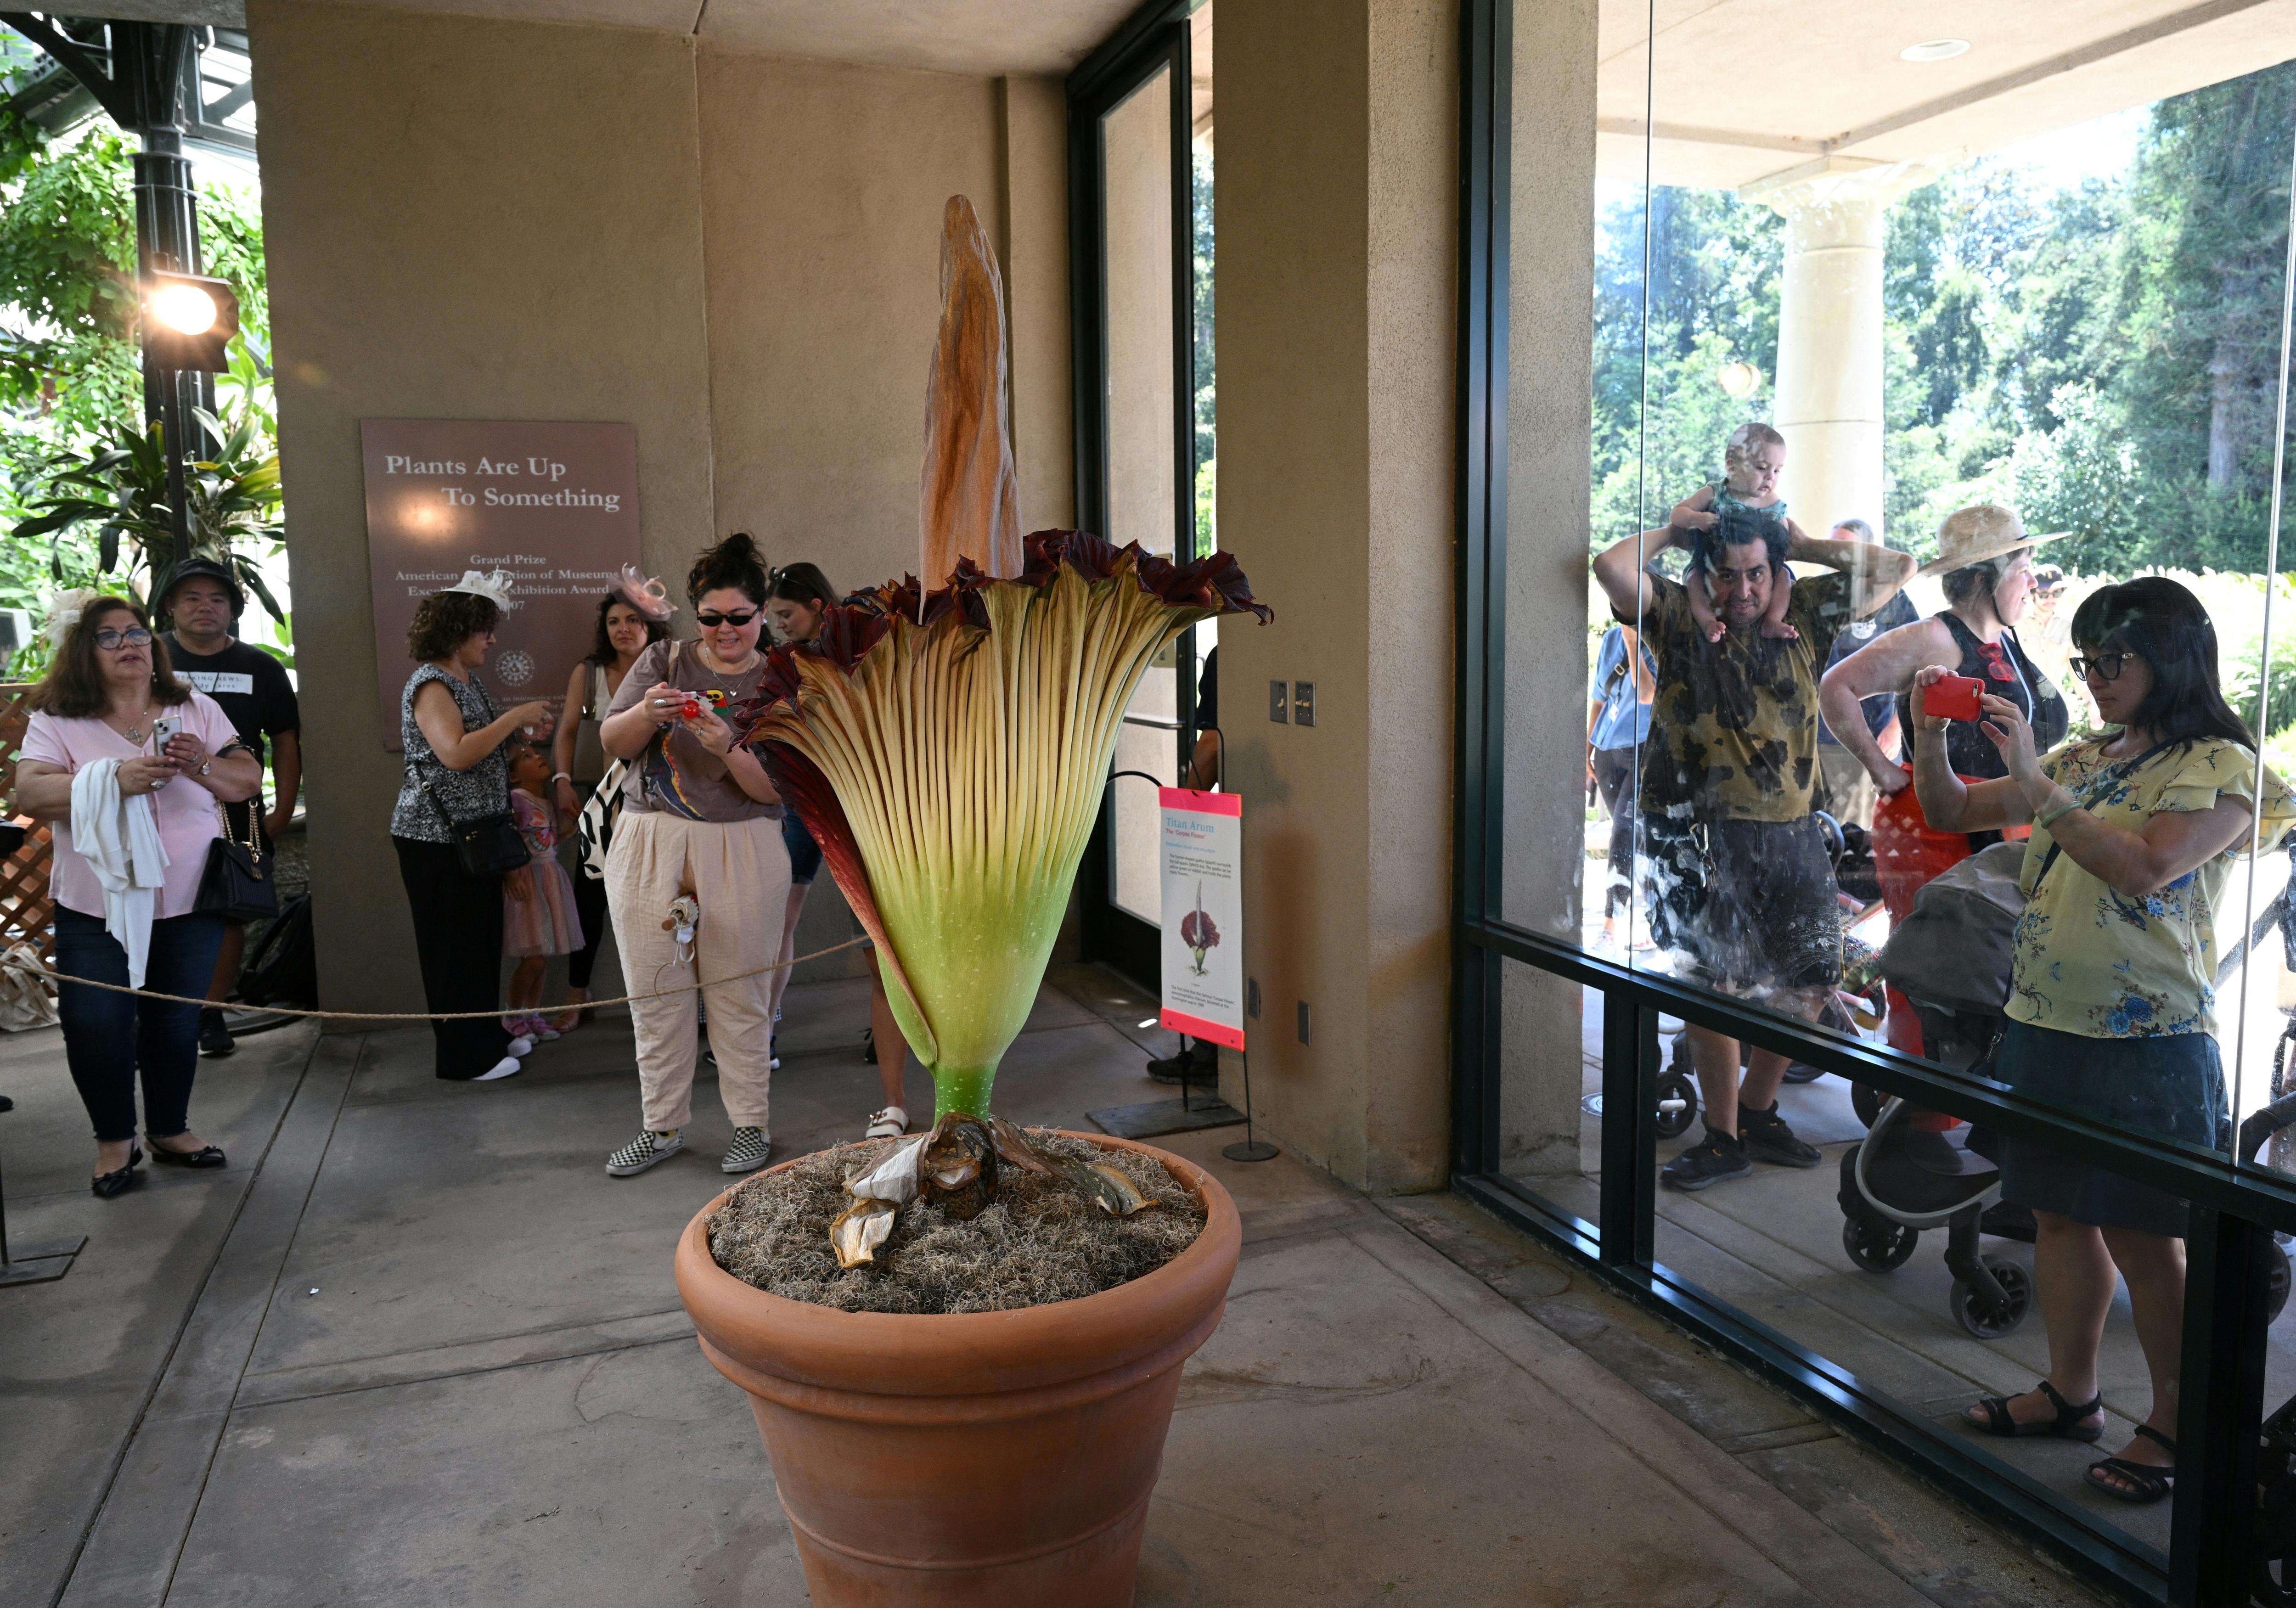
(251, 686)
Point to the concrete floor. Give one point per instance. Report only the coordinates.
(414, 1346)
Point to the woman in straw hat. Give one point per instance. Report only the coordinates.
(1986, 560)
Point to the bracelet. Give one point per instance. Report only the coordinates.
(560, 775)
(2062, 810)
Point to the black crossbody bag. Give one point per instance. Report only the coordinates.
(486, 845)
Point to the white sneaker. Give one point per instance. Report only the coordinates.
(520, 1045)
(506, 1067)
(890, 1123)
(644, 1152)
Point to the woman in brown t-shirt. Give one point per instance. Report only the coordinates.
(697, 874)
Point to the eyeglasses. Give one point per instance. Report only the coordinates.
(737, 619)
(2104, 667)
(111, 642)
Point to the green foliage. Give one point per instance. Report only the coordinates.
(2104, 359)
(119, 486)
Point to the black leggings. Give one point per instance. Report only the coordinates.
(590, 906)
(458, 936)
(1614, 774)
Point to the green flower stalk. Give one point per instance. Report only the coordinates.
(948, 752)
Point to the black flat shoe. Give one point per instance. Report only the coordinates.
(104, 1186)
(207, 1156)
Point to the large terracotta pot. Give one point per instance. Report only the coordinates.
(999, 1458)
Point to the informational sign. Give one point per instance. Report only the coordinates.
(554, 504)
(1202, 862)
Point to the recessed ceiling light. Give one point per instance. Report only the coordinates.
(1933, 50)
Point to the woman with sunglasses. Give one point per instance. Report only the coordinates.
(2112, 1003)
(170, 755)
(697, 876)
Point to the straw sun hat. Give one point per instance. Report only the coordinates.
(1970, 535)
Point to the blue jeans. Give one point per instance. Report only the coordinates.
(108, 1039)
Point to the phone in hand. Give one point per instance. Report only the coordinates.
(691, 707)
(165, 730)
(1954, 698)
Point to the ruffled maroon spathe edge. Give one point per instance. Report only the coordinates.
(850, 629)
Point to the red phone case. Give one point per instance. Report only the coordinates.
(1954, 698)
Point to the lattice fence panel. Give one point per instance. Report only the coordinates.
(26, 910)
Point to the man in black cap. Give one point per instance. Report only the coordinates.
(205, 601)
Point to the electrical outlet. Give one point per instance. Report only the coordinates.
(1304, 1037)
(1279, 695)
(1303, 705)
(1252, 997)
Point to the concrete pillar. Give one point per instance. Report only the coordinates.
(1337, 215)
(1829, 381)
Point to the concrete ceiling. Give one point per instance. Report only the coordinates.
(1749, 89)
(985, 37)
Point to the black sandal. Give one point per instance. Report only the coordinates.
(2152, 1480)
(2066, 1425)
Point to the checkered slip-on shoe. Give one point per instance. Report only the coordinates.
(642, 1153)
(751, 1146)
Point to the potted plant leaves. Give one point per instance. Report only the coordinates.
(948, 750)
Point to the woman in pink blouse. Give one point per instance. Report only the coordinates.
(102, 700)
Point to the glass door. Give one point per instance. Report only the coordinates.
(1134, 125)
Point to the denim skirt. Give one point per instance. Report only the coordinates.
(2172, 1087)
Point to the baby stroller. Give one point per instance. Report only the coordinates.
(1916, 1169)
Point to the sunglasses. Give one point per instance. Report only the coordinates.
(737, 619)
(111, 642)
(2104, 667)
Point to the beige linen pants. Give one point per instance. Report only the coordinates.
(739, 872)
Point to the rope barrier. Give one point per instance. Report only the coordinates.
(10, 962)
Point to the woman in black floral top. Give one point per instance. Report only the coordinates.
(455, 773)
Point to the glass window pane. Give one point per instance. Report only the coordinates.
(1143, 452)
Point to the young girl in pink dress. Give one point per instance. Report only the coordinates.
(538, 919)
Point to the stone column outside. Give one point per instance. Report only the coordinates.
(1829, 379)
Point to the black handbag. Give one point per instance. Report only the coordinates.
(487, 845)
(237, 882)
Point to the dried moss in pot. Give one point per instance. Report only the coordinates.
(1042, 1241)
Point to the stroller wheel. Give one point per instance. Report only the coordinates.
(1799, 1073)
(1677, 1103)
(2016, 1284)
(1867, 1100)
(1878, 1247)
(2275, 1287)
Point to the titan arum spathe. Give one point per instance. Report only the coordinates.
(948, 752)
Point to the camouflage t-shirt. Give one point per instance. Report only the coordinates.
(1733, 728)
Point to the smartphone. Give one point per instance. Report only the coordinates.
(691, 706)
(1954, 698)
(164, 729)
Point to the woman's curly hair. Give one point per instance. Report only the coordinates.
(446, 621)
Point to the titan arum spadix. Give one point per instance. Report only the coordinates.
(948, 752)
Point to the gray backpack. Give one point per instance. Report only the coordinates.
(1953, 952)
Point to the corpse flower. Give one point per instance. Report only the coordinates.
(948, 752)
(1198, 931)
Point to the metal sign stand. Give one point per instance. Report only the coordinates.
(41, 1262)
(1250, 1148)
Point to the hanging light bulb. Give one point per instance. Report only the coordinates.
(1738, 379)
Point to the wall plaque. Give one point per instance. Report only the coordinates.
(555, 504)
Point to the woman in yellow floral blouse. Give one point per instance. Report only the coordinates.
(2113, 998)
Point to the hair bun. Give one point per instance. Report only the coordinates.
(734, 562)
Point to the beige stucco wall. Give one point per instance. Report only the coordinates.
(1337, 270)
(1550, 381)
(457, 228)
(740, 254)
